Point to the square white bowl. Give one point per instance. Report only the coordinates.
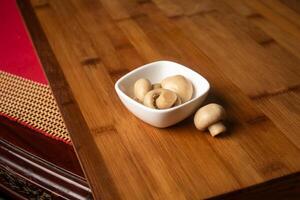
(156, 72)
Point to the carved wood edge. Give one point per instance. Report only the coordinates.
(19, 187)
(34, 178)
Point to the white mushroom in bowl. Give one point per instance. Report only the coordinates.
(180, 85)
(156, 85)
(172, 91)
(161, 99)
(141, 87)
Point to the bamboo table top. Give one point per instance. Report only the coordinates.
(248, 50)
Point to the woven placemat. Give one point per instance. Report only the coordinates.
(31, 104)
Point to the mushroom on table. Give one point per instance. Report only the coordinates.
(210, 117)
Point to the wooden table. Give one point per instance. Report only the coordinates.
(248, 50)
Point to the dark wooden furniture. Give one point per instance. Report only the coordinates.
(35, 166)
(248, 50)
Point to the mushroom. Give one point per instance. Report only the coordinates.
(179, 84)
(210, 116)
(178, 101)
(141, 87)
(160, 98)
(156, 85)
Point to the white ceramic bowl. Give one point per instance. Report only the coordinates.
(156, 72)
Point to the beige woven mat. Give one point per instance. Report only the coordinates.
(31, 104)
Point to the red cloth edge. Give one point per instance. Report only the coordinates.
(35, 129)
(17, 53)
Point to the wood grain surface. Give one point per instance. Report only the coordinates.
(248, 50)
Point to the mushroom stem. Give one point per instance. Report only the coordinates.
(216, 128)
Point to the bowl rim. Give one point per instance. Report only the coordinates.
(120, 92)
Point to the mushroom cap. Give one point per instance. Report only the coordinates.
(208, 115)
(179, 84)
(160, 98)
(141, 87)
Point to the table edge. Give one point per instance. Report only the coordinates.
(69, 108)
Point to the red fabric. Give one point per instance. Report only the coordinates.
(35, 129)
(17, 54)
